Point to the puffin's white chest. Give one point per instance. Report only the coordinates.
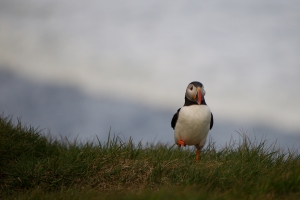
(193, 124)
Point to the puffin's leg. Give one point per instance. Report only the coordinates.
(197, 154)
(180, 143)
(198, 147)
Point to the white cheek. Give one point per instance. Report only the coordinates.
(190, 93)
(203, 92)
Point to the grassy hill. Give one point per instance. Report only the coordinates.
(35, 167)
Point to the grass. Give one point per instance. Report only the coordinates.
(36, 167)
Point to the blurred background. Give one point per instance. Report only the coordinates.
(84, 68)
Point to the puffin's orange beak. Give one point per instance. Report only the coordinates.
(199, 96)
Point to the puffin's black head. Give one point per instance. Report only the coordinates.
(194, 93)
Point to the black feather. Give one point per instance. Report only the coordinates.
(211, 121)
(174, 119)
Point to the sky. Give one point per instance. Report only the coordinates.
(245, 53)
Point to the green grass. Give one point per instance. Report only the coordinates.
(36, 167)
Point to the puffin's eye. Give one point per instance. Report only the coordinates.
(191, 88)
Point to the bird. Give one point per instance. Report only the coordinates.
(193, 121)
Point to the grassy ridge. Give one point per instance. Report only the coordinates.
(32, 166)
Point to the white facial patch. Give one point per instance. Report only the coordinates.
(191, 91)
(203, 91)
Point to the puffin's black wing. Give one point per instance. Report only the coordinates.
(211, 120)
(174, 119)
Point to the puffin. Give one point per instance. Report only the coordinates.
(192, 122)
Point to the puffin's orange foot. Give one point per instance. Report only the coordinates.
(197, 154)
(180, 143)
